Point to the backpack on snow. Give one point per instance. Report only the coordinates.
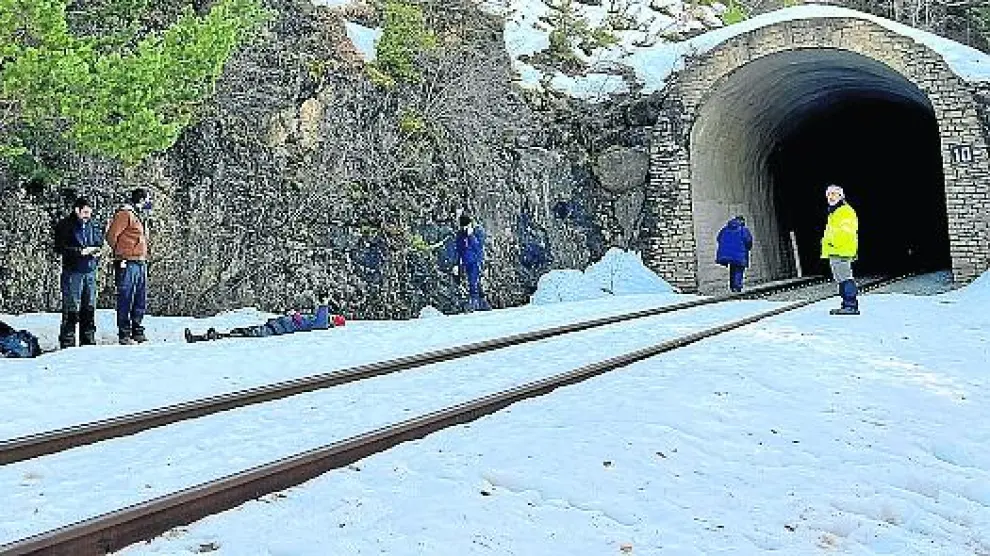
(18, 343)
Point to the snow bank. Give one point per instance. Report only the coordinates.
(617, 273)
(980, 285)
(977, 291)
(560, 286)
(430, 312)
(645, 23)
(623, 273)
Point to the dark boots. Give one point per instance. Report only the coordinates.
(136, 336)
(67, 332)
(86, 320)
(87, 327)
(850, 305)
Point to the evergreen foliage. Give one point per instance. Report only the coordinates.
(405, 36)
(736, 13)
(126, 101)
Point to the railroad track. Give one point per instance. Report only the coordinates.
(54, 441)
(116, 530)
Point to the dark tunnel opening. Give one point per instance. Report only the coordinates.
(778, 129)
(885, 154)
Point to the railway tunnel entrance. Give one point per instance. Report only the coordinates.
(779, 129)
(759, 124)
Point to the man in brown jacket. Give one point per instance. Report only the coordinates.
(128, 239)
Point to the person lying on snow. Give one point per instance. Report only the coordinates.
(17, 343)
(285, 324)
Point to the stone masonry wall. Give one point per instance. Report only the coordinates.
(668, 233)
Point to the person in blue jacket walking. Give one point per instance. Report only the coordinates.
(470, 243)
(734, 244)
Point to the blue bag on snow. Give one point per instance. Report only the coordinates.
(18, 343)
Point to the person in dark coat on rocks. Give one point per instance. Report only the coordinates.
(734, 244)
(78, 240)
(470, 244)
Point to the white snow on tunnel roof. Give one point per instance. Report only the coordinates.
(654, 64)
(966, 61)
(526, 32)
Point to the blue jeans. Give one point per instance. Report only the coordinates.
(132, 297)
(848, 291)
(78, 291)
(476, 298)
(736, 274)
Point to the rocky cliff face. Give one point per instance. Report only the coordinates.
(305, 177)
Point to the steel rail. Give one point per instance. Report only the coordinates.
(58, 440)
(115, 530)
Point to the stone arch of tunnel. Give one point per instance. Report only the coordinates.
(759, 125)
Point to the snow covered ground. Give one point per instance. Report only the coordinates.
(90, 480)
(802, 434)
(91, 383)
(104, 381)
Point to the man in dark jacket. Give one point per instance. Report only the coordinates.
(78, 240)
(734, 244)
(470, 243)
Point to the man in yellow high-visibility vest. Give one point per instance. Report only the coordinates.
(840, 245)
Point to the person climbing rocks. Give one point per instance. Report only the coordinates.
(79, 241)
(840, 245)
(734, 244)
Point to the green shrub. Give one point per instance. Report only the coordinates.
(404, 37)
(734, 14)
(126, 103)
(412, 123)
(601, 37)
(418, 243)
(32, 171)
(379, 77)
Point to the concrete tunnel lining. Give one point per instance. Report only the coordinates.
(745, 118)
